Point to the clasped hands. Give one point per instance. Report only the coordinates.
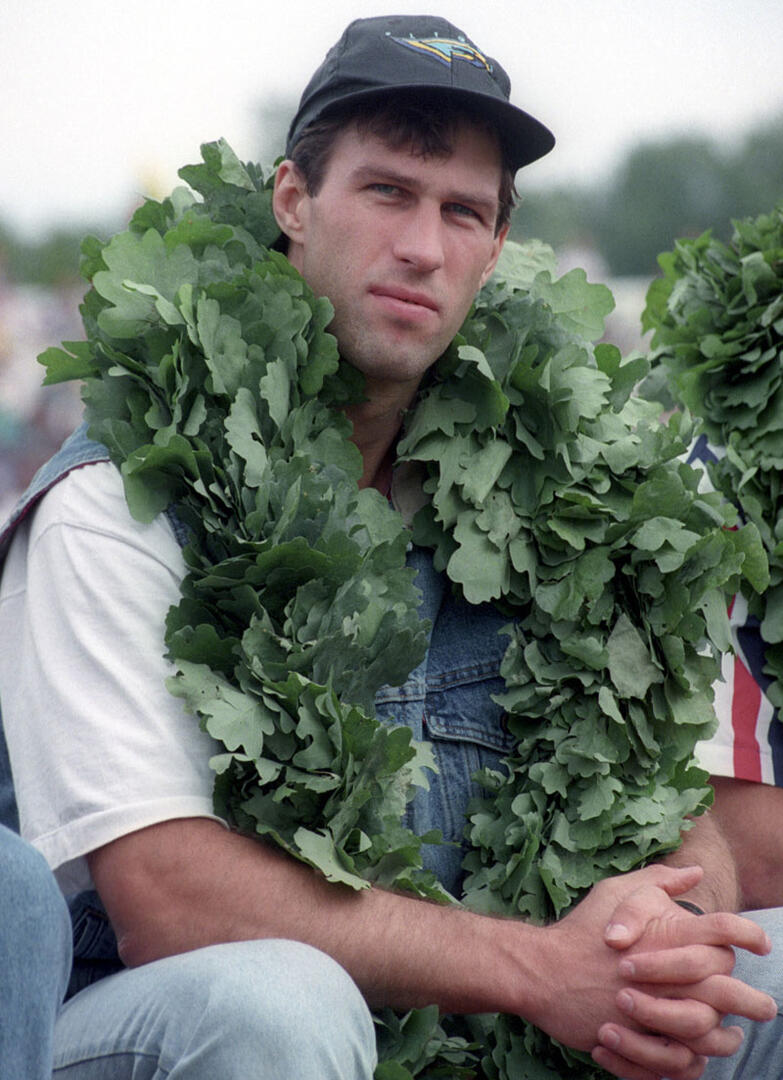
(668, 976)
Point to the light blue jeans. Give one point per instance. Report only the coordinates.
(256, 1010)
(35, 959)
(761, 1055)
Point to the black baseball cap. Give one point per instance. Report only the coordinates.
(423, 54)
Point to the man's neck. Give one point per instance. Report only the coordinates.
(376, 425)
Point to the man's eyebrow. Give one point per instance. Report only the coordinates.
(383, 174)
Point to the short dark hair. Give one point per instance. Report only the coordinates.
(428, 125)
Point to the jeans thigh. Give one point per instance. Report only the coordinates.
(268, 1009)
(35, 958)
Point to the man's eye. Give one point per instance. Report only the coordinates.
(385, 189)
(461, 210)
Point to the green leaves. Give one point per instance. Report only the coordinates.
(717, 316)
(417, 1044)
(570, 506)
(630, 665)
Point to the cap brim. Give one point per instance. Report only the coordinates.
(524, 138)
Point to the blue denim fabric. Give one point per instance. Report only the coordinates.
(77, 450)
(94, 943)
(447, 700)
(273, 1010)
(35, 958)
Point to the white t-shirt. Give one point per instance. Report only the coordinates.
(99, 747)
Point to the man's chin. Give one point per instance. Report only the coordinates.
(395, 360)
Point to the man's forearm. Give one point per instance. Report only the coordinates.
(751, 817)
(705, 845)
(401, 951)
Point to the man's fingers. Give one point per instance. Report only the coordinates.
(678, 880)
(693, 1023)
(687, 964)
(635, 1055)
(621, 1067)
(724, 995)
(693, 947)
(674, 929)
(731, 997)
(631, 917)
(684, 1020)
(720, 928)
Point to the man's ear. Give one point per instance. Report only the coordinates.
(289, 199)
(497, 247)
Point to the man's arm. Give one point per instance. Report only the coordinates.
(750, 815)
(188, 883)
(739, 843)
(706, 845)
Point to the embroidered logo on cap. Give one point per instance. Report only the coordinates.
(446, 50)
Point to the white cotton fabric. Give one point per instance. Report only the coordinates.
(99, 747)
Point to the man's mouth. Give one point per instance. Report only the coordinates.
(404, 297)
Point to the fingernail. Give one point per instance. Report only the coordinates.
(625, 1001)
(610, 1038)
(615, 932)
(627, 967)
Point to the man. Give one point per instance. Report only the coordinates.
(241, 961)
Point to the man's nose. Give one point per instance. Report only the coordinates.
(419, 239)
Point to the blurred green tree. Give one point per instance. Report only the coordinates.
(50, 259)
(662, 190)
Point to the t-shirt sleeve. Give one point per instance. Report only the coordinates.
(99, 747)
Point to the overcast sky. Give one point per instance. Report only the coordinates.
(104, 99)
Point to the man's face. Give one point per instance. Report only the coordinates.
(400, 244)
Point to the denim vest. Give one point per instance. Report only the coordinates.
(445, 700)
